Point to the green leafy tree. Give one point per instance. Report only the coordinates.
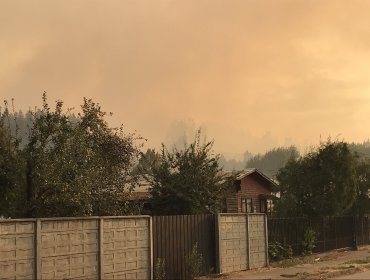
(187, 181)
(361, 205)
(21, 124)
(69, 166)
(78, 169)
(12, 177)
(321, 183)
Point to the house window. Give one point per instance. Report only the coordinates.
(244, 205)
(247, 205)
(263, 203)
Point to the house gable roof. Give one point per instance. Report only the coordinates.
(238, 175)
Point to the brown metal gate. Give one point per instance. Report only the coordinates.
(174, 237)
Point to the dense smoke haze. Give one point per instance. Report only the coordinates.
(253, 74)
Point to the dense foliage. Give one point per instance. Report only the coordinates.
(69, 167)
(12, 176)
(361, 205)
(322, 183)
(53, 163)
(187, 181)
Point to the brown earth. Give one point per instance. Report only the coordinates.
(333, 264)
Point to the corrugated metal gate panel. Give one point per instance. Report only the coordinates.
(174, 238)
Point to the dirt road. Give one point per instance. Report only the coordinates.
(358, 276)
(334, 265)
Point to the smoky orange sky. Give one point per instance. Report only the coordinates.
(253, 73)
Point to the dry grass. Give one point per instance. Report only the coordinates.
(360, 261)
(293, 261)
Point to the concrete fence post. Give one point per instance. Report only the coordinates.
(248, 241)
(151, 261)
(101, 248)
(266, 242)
(38, 249)
(218, 243)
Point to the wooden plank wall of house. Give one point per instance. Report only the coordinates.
(250, 192)
(252, 187)
(174, 238)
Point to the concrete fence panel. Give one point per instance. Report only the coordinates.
(127, 248)
(242, 241)
(115, 247)
(76, 248)
(232, 233)
(69, 249)
(17, 250)
(258, 245)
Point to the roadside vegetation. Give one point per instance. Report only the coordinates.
(56, 163)
(67, 165)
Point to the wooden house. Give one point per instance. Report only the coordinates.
(249, 191)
